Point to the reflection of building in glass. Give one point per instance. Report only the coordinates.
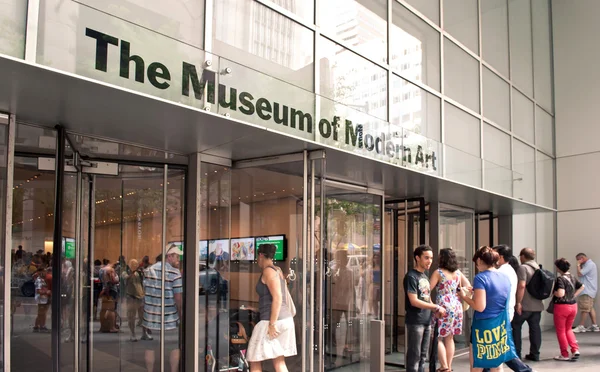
(252, 27)
(348, 78)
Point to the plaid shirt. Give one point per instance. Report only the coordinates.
(153, 293)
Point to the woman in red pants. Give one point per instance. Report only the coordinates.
(566, 290)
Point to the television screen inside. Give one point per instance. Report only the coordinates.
(218, 250)
(279, 241)
(203, 249)
(242, 249)
(68, 247)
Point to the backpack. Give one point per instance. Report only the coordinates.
(541, 283)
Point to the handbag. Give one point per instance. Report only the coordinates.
(289, 302)
(550, 308)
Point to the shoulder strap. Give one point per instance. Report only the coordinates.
(531, 265)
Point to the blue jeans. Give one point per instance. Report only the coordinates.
(418, 345)
(516, 365)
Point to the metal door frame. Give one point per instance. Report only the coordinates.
(395, 288)
(490, 219)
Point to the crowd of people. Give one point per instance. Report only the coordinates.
(134, 284)
(506, 293)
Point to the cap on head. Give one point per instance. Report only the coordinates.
(174, 249)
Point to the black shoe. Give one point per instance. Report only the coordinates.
(532, 358)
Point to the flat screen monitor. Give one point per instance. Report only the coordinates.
(280, 243)
(68, 248)
(242, 249)
(218, 250)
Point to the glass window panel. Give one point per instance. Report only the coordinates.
(352, 80)
(494, 34)
(215, 273)
(32, 229)
(545, 194)
(544, 131)
(63, 44)
(264, 202)
(462, 167)
(461, 20)
(247, 31)
(429, 8)
(496, 99)
(521, 49)
(461, 130)
(361, 24)
(353, 244)
(415, 109)
(182, 20)
(496, 146)
(12, 27)
(461, 76)
(498, 179)
(302, 8)
(415, 47)
(523, 161)
(542, 53)
(523, 116)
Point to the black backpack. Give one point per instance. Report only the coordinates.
(541, 284)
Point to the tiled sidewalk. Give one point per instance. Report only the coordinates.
(589, 345)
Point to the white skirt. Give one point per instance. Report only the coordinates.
(262, 347)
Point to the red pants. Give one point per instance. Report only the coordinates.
(564, 316)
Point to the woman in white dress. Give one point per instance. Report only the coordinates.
(273, 338)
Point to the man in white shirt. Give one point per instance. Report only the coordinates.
(505, 253)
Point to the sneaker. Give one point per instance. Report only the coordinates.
(576, 355)
(562, 358)
(146, 338)
(36, 329)
(594, 328)
(580, 329)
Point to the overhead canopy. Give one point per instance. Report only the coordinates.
(47, 97)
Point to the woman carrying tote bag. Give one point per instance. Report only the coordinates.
(491, 334)
(274, 337)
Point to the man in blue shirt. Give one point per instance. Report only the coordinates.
(588, 276)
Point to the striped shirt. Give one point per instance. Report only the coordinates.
(153, 293)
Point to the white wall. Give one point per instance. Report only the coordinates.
(576, 54)
(536, 231)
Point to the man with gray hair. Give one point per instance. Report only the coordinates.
(588, 276)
